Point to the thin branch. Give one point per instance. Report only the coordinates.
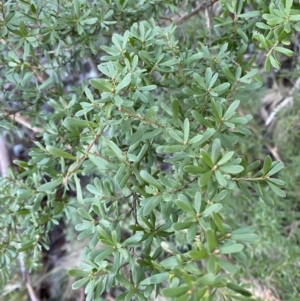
(31, 292)
(292, 228)
(4, 157)
(202, 6)
(81, 159)
(247, 179)
(141, 118)
(4, 163)
(22, 120)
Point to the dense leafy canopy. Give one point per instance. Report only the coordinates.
(147, 152)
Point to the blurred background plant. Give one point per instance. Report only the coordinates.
(50, 50)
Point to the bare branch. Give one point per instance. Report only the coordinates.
(202, 6)
(4, 157)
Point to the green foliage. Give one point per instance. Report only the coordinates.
(146, 153)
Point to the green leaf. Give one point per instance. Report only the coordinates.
(243, 35)
(79, 283)
(176, 136)
(169, 248)
(197, 255)
(231, 169)
(77, 8)
(59, 153)
(181, 225)
(212, 208)
(74, 122)
(275, 168)
(151, 204)
(114, 148)
(78, 189)
(198, 201)
(285, 51)
(229, 249)
(103, 255)
(225, 265)
(84, 214)
(155, 279)
(124, 83)
(186, 129)
(151, 112)
(267, 64)
(117, 258)
(89, 21)
(194, 169)
(253, 166)
(249, 237)
(225, 158)
(218, 221)
(215, 150)
(129, 295)
(262, 26)
(196, 139)
(267, 164)
(77, 273)
(250, 14)
(137, 135)
(276, 181)
(175, 111)
(150, 179)
(186, 206)
(213, 81)
(175, 291)
(22, 27)
(274, 62)
(221, 180)
(208, 76)
(134, 240)
(192, 232)
(99, 162)
(228, 73)
(101, 84)
(207, 279)
(231, 109)
(220, 196)
(244, 230)
(204, 156)
(211, 239)
(147, 88)
(294, 17)
(220, 89)
(121, 173)
(50, 185)
(204, 179)
(207, 135)
(27, 245)
(276, 189)
(239, 289)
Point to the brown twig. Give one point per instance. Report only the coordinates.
(4, 163)
(4, 157)
(22, 120)
(31, 292)
(292, 228)
(202, 6)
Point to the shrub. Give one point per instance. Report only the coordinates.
(145, 152)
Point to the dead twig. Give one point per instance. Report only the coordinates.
(23, 120)
(4, 157)
(31, 292)
(4, 163)
(202, 6)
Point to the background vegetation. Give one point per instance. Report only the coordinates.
(131, 166)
